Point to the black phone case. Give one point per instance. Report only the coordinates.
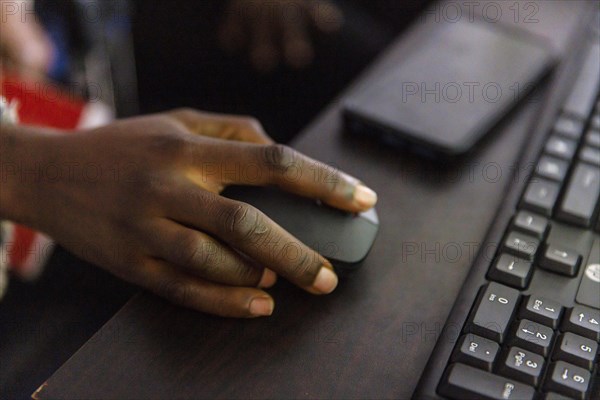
(451, 90)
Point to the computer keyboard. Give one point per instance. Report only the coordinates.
(530, 328)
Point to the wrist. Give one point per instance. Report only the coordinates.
(22, 152)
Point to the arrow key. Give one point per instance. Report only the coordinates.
(584, 321)
(533, 336)
(561, 260)
(521, 245)
(532, 224)
(568, 379)
(511, 270)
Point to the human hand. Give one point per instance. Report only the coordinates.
(273, 30)
(23, 42)
(140, 197)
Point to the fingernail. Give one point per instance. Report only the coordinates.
(261, 306)
(268, 279)
(364, 197)
(326, 281)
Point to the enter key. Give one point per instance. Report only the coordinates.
(589, 288)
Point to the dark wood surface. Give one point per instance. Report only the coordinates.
(372, 337)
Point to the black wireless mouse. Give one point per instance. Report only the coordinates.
(343, 238)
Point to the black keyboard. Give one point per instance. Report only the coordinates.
(527, 324)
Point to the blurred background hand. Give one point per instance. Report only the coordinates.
(23, 42)
(273, 31)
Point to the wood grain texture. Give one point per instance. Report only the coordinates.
(372, 337)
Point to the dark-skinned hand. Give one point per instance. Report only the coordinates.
(141, 198)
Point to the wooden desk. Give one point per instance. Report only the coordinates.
(373, 336)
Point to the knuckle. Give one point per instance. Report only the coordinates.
(168, 145)
(279, 156)
(144, 191)
(247, 274)
(333, 181)
(176, 291)
(244, 223)
(156, 190)
(190, 252)
(303, 268)
(231, 215)
(198, 201)
(300, 263)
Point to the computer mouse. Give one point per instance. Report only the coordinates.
(343, 238)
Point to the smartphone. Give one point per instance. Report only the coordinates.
(452, 89)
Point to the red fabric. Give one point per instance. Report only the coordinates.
(42, 104)
(23, 240)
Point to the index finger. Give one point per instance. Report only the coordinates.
(300, 174)
(292, 171)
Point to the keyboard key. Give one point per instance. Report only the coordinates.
(522, 365)
(590, 155)
(576, 350)
(589, 288)
(542, 310)
(568, 379)
(493, 312)
(532, 224)
(561, 260)
(592, 138)
(581, 99)
(571, 128)
(555, 396)
(533, 336)
(561, 147)
(465, 382)
(552, 168)
(512, 271)
(584, 321)
(476, 351)
(581, 197)
(540, 196)
(521, 245)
